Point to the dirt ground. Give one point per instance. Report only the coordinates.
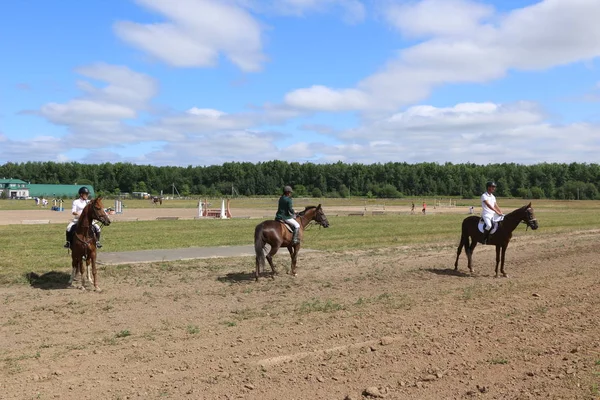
(395, 323)
(10, 217)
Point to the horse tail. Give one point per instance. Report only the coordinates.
(464, 241)
(259, 245)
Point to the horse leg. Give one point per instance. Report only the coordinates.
(497, 258)
(95, 273)
(464, 242)
(74, 269)
(274, 249)
(294, 254)
(504, 274)
(469, 251)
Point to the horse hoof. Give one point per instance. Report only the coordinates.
(505, 275)
(97, 289)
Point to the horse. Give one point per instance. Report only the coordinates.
(83, 243)
(276, 234)
(156, 199)
(500, 238)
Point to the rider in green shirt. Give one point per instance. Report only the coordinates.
(286, 213)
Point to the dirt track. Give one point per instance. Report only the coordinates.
(397, 320)
(11, 217)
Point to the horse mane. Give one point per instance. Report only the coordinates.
(301, 213)
(519, 209)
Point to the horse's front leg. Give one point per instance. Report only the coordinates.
(498, 259)
(74, 269)
(294, 254)
(94, 272)
(504, 274)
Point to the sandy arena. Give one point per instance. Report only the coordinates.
(393, 323)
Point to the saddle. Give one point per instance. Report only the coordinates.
(288, 226)
(495, 224)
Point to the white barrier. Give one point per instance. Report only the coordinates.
(205, 212)
(118, 206)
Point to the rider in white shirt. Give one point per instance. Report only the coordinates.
(78, 206)
(489, 209)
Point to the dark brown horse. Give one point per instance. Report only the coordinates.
(83, 244)
(276, 234)
(500, 238)
(156, 199)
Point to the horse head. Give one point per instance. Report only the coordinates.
(312, 213)
(97, 211)
(320, 217)
(529, 217)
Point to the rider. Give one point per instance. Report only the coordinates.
(489, 209)
(78, 206)
(286, 213)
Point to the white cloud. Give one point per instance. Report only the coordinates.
(196, 33)
(325, 99)
(353, 10)
(99, 116)
(40, 148)
(437, 17)
(526, 39)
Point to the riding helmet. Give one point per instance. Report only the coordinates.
(83, 190)
(491, 183)
(287, 189)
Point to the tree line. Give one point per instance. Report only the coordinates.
(388, 180)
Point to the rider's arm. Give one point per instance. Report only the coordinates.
(74, 209)
(497, 209)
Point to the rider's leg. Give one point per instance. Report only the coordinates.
(296, 227)
(97, 230)
(486, 229)
(68, 235)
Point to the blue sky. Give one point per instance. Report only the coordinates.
(201, 82)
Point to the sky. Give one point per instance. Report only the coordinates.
(204, 82)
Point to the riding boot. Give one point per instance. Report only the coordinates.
(486, 235)
(68, 242)
(295, 239)
(98, 244)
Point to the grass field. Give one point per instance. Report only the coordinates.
(38, 248)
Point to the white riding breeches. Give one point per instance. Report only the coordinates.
(94, 224)
(292, 222)
(487, 219)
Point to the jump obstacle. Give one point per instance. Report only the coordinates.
(205, 212)
(57, 205)
(118, 206)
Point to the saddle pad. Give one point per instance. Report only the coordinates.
(289, 228)
(495, 221)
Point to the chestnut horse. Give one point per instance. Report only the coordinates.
(276, 234)
(83, 244)
(500, 238)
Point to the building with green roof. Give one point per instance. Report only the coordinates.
(51, 191)
(14, 188)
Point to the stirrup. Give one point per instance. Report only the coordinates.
(67, 245)
(98, 245)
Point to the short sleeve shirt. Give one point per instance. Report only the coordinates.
(491, 199)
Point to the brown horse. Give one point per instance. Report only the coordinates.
(500, 238)
(276, 234)
(83, 244)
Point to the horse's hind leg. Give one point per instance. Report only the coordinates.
(274, 249)
(459, 250)
(469, 251)
(294, 254)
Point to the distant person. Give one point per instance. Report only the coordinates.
(412, 208)
(489, 209)
(44, 202)
(424, 208)
(78, 206)
(286, 213)
(471, 210)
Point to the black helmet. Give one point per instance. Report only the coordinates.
(490, 183)
(287, 189)
(84, 190)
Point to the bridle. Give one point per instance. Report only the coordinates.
(530, 220)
